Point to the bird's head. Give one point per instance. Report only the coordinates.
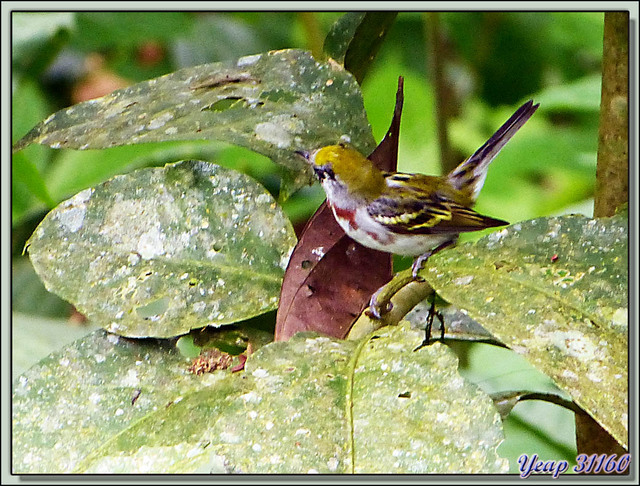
(344, 165)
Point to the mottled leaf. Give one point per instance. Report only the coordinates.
(556, 291)
(273, 103)
(81, 397)
(311, 404)
(161, 251)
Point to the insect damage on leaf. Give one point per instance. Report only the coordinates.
(219, 80)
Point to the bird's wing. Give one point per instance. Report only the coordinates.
(412, 204)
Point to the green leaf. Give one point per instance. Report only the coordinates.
(581, 95)
(25, 173)
(162, 251)
(555, 291)
(29, 296)
(355, 39)
(309, 404)
(78, 399)
(341, 34)
(273, 103)
(34, 338)
(37, 38)
(75, 170)
(99, 30)
(28, 188)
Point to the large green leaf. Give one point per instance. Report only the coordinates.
(273, 103)
(354, 40)
(311, 404)
(556, 291)
(161, 251)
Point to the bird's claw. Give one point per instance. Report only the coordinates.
(375, 310)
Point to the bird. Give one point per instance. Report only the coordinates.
(409, 214)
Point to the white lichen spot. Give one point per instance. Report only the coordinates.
(260, 373)
(71, 219)
(113, 338)
(302, 431)
(253, 415)
(275, 459)
(251, 397)
(119, 412)
(211, 254)
(333, 464)
(256, 447)
(64, 362)
(131, 379)
(171, 131)
(268, 425)
(279, 131)
(159, 121)
(574, 344)
(230, 438)
(594, 376)
(100, 358)
(553, 232)
(620, 317)
(95, 398)
(194, 452)
(463, 280)
(345, 138)
(199, 307)
(441, 417)
(496, 236)
(248, 60)
(113, 327)
(151, 244)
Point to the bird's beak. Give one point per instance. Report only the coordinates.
(303, 153)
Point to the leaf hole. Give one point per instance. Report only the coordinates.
(406, 394)
(225, 104)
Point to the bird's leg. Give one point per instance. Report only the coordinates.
(421, 260)
(432, 314)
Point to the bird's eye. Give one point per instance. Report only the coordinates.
(324, 172)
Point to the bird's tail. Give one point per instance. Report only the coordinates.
(469, 176)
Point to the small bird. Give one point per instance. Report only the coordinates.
(409, 214)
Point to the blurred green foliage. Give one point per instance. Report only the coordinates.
(493, 62)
